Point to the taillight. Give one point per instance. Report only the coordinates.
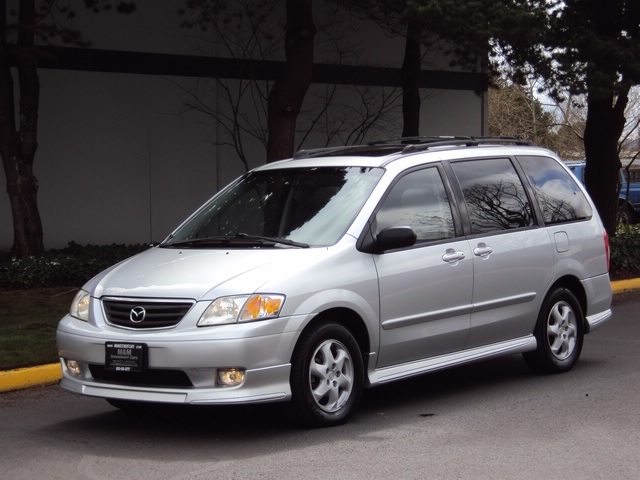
(607, 250)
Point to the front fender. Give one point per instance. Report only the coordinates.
(365, 308)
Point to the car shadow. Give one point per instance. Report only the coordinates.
(242, 422)
(188, 432)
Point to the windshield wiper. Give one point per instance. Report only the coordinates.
(238, 239)
(216, 241)
(282, 241)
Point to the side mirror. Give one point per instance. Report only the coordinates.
(395, 237)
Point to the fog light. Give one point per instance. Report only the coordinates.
(230, 377)
(73, 368)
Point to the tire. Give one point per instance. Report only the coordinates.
(559, 333)
(326, 376)
(628, 216)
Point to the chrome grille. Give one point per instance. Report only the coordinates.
(145, 313)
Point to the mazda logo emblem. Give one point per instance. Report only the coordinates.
(137, 314)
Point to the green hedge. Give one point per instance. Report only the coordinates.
(71, 266)
(625, 251)
(74, 265)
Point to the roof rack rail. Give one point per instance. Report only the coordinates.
(312, 152)
(406, 145)
(462, 141)
(417, 140)
(366, 149)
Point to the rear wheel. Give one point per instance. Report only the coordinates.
(326, 376)
(559, 332)
(628, 216)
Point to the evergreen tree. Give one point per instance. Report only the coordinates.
(586, 47)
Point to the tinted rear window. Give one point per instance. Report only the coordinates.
(558, 194)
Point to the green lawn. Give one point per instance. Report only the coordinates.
(28, 320)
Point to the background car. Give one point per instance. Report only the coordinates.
(628, 198)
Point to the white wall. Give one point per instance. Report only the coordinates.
(115, 161)
(118, 161)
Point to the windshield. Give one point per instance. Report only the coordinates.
(290, 207)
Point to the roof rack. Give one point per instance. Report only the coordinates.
(406, 145)
(418, 140)
(431, 142)
(370, 150)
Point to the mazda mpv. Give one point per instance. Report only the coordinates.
(310, 279)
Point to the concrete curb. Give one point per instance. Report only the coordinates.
(29, 377)
(620, 286)
(47, 374)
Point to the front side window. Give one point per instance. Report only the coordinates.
(305, 206)
(494, 195)
(558, 194)
(418, 200)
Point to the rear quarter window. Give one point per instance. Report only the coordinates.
(559, 196)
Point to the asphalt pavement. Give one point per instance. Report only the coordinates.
(21, 378)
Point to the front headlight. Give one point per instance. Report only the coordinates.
(80, 306)
(241, 308)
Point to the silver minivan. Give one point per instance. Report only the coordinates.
(309, 279)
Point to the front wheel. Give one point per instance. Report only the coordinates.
(326, 376)
(559, 333)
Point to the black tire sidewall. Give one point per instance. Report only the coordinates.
(543, 358)
(305, 409)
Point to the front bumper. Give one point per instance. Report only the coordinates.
(262, 385)
(182, 367)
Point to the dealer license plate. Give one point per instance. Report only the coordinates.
(125, 356)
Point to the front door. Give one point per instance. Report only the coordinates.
(425, 290)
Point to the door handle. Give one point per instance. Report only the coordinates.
(452, 256)
(482, 250)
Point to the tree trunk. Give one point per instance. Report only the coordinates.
(607, 98)
(288, 92)
(410, 81)
(605, 121)
(18, 148)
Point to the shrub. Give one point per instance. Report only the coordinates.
(70, 266)
(625, 251)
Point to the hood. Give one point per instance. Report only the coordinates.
(192, 273)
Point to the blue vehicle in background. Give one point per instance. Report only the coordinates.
(629, 206)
